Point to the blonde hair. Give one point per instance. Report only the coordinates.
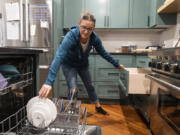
(86, 15)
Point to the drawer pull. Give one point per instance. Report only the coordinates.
(113, 91)
(113, 74)
(142, 62)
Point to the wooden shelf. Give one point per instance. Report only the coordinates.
(171, 6)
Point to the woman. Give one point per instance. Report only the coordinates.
(73, 54)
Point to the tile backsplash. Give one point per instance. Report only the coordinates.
(171, 35)
(113, 39)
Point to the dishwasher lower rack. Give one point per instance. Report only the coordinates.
(67, 121)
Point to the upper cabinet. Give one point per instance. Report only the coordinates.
(109, 13)
(72, 12)
(170, 6)
(139, 14)
(162, 20)
(118, 13)
(99, 8)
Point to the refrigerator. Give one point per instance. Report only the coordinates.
(29, 24)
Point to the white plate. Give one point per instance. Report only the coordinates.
(41, 110)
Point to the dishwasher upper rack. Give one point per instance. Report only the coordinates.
(22, 126)
(23, 80)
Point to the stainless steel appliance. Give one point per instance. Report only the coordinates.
(164, 104)
(29, 24)
(18, 83)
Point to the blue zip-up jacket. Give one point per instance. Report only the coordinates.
(70, 53)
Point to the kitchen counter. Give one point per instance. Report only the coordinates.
(5, 50)
(114, 53)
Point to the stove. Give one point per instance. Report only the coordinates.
(164, 103)
(166, 61)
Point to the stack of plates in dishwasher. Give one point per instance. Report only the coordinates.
(41, 112)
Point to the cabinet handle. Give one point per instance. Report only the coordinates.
(113, 91)
(142, 62)
(104, 21)
(107, 21)
(148, 21)
(113, 74)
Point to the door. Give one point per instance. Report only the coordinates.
(72, 12)
(164, 105)
(39, 24)
(118, 14)
(139, 14)
(99, 8)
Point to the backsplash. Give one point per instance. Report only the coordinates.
(171, 35)
(114, 39)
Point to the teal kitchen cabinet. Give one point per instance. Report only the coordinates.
(160, 20)
(63, 90)
(118, 14)
(99, 8)
(107, 90)
(91, 68)
(139, 14)
(105, 71)
(142, 61)
(108, 81)
(109, 13)
(72, 12)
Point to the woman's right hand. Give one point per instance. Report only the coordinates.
(45, 90)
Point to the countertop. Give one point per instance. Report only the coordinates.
(5, 50)
(114, 53)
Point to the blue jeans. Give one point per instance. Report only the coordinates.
(70, 74)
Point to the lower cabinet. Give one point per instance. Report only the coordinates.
(63, 89)
(142, 61)
(109, 83)
(107, 90)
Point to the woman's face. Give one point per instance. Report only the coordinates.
(86, 28)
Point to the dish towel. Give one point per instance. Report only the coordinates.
(3, 82)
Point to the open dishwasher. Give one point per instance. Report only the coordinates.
(67, 121)
(18, 84)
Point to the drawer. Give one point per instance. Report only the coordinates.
(106, 74)
(63, 90)
(91, 68)
(107, 90)
(126, 60)
(142, 61)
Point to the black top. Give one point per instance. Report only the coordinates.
(4, 50)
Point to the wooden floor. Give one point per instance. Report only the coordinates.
(123, 120)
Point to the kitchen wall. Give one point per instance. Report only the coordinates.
(113, 39)
(171, 35)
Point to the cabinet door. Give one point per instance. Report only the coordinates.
(118, 14)
(160, 19)
(139, 14)
(99, 9)
(142, 61)
(72, 12)
(107, 90)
